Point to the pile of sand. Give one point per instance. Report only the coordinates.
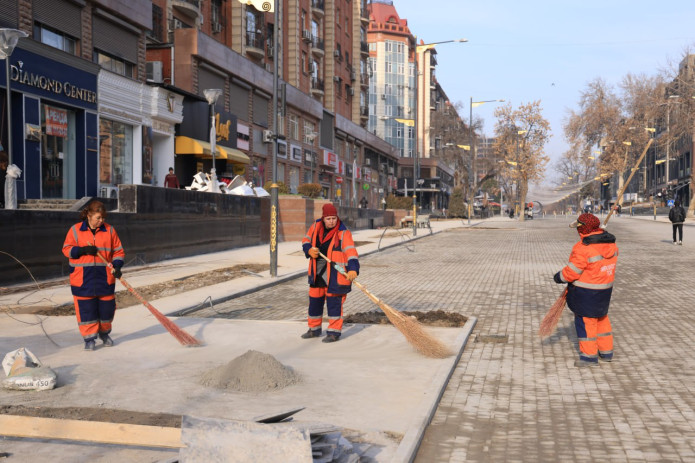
(252, 372)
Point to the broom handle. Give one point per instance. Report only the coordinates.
(128, 287)
(626, 183)
(371, 296)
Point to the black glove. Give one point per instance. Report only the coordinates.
(87, 251)
(116, 272)
(557, 278)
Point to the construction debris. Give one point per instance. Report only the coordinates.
(237, 186)
(25, 372)
(251, 372)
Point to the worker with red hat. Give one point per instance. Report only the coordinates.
(330, 237)
(589, 275)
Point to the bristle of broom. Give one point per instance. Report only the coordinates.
(181, 336)
(415, 333)
(551, 318)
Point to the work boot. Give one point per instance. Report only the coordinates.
(605, 359)
(584, 364)
(311, 334)
(90, 345)
(330, 338)
(106, 339)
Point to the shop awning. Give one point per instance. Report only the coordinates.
(199, 148)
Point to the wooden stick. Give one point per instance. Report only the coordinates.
(90, 431)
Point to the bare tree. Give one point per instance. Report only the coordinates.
(521, 136)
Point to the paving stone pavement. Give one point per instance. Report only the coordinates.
(523, 400)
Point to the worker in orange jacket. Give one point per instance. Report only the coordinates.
(590, 274)
(92, 283)
(329, 236)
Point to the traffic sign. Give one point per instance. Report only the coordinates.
(339, 180)
(670, 203)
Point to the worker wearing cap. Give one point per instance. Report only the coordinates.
(330, 237)
(590, 274)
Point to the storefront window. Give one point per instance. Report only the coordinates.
(115, 153)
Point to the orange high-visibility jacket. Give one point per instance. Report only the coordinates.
(590, 272)
(89, 276)
(341, 250)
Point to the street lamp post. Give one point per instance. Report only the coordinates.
(212, 94)
(274, 200)
(8, 41)
(472, 158)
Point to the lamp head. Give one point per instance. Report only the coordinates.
(8, 40)
(212, 94)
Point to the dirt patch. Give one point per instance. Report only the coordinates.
(431, 318)
(251, 372)
(170, 288)
(105, 415)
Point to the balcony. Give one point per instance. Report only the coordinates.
(364, 112)
(364, 16)
(317, 46)
(364, 79)
(317, 88)
(364, 48)
(254, 45)
(318, 8)
(190, 8)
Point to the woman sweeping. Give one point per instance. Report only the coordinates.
(91, 281)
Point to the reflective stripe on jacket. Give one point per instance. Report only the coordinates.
(590, 272)
(89, 276)
(341, 251)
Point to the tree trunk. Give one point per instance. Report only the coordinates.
(523, 189)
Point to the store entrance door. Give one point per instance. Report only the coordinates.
(58, 166)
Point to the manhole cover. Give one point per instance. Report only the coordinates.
(501, 338)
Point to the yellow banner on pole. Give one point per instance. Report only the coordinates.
(408, 122)
(261, 5)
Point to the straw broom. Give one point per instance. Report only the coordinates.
(550, 320)
(181, 336)
(409, 327)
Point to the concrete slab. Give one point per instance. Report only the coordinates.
(371, 382)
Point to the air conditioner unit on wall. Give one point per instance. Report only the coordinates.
(336, 79)
(336, 53)
(306, 35)
(154, 71)
(351, 91)
(216, 28)
(267, 136)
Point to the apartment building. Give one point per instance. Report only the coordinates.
(231, 46)
(109, 92)
(402, 98)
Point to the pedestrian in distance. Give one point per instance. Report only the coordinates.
(677, 216)
(171, 180)
(330, 237)
(93, 285)
(589, 277)
(363, 202)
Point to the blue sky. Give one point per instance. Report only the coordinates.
(546, 50)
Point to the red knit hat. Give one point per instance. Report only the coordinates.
(329, 210)
(586, 223)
